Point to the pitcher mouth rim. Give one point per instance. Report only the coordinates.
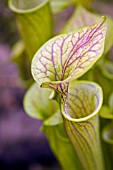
(92, 114)
(24, 11)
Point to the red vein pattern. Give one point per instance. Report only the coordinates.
(83, 99)
(68, 56)
(85, 139)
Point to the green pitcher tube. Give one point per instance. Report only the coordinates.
(34, 20)
(80, 113)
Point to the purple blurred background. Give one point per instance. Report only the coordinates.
(22, 145)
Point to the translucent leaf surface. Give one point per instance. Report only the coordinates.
(83, 17)
(68, 56)
(37, 103)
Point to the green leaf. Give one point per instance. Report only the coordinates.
(83, 17)
(37, 103)
(54, 119)
(19, 56)
(106, 112)
(32, 19)
(68, 56)
(108, 134)
(107, 68)
(80, 112)
(18, 50)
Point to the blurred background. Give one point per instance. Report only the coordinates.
(22, 145)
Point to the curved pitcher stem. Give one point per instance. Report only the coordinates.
(80, 114)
